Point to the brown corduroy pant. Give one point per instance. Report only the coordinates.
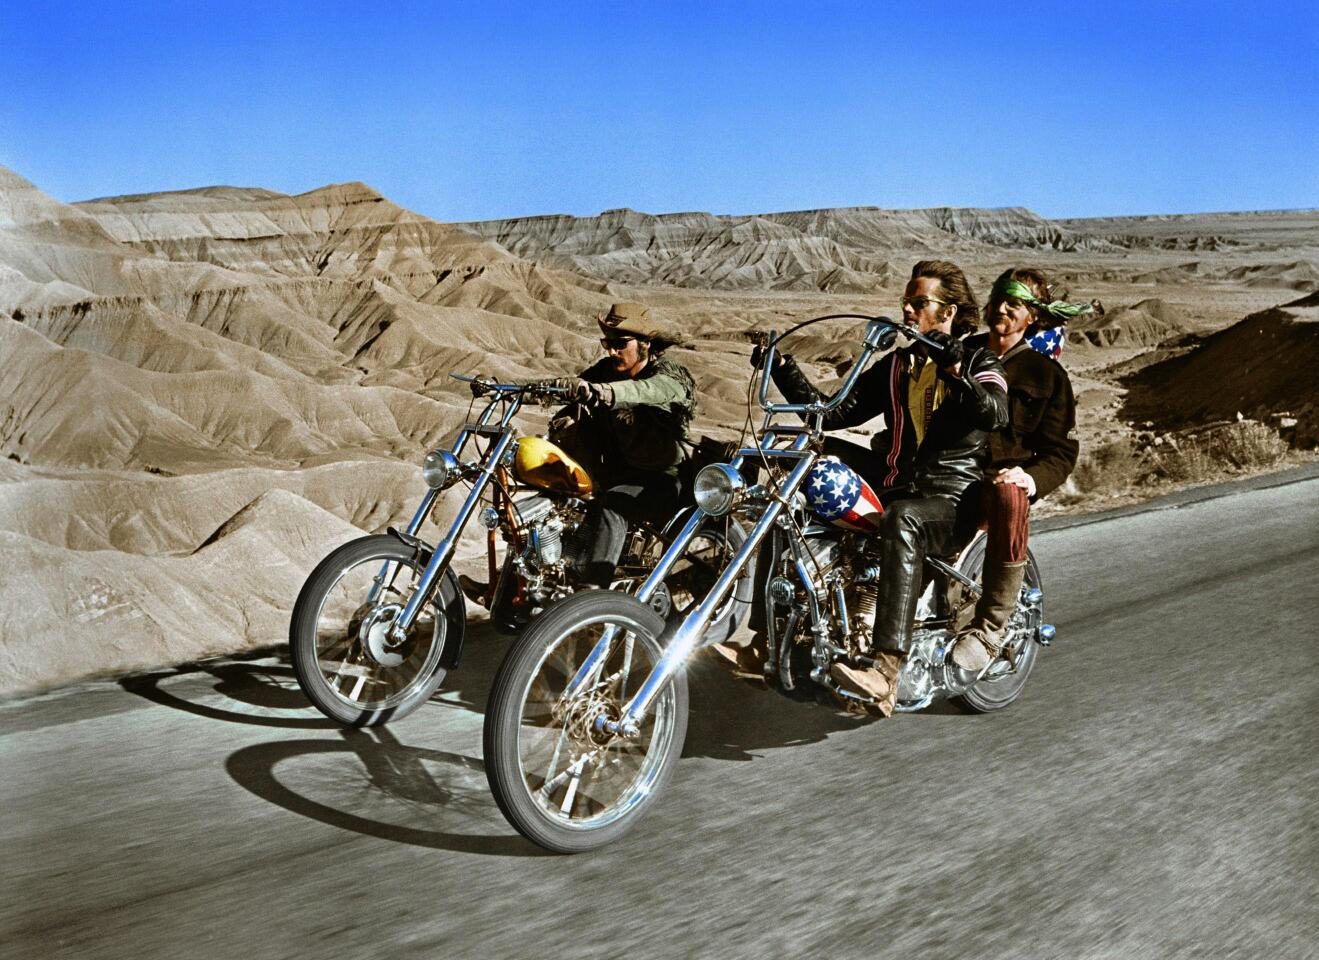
(1005, 513)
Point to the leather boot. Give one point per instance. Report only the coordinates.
(880, 682)
(901, 560)
(981, 642)
(748, 662)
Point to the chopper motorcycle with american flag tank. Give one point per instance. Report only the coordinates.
(588, 712)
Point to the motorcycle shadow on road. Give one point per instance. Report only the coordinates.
(730, 718)
(468, 687)
(259, 684)
(391, 787)
(264, 681)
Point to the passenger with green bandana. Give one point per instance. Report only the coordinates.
(1031, 456)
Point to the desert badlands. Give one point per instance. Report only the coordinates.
(203, 392)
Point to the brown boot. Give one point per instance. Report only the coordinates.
(980, 643)
(878, 683)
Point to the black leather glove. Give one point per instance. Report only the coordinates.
(949, 351)
(480, 386)
(758, 356)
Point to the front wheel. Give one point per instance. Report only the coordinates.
(339, 638)
(559, 779)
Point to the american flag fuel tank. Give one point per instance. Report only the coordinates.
(838, 495)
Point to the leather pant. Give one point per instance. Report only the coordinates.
(652, 497)
(911, 530)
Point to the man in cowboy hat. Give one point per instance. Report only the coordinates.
(629, 423)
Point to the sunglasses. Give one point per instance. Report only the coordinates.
(918, 303)
(615, 343)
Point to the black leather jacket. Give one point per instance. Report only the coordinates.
(954, 452)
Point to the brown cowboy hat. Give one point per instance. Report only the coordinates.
(634, 320)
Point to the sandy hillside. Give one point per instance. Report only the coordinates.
(202, 392)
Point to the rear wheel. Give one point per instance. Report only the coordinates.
(995, 693)
(560, 780)
(339, 638)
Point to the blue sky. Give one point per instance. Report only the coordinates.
(485, 109)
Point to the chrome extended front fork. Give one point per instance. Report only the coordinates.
(414, 525)
(444, 549)
(644, 592)
(688, 634)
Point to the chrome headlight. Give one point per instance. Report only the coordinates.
(717, 488)
(439, 469)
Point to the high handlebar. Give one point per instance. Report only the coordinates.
(881, 333)
(483, 386)
(904, 329)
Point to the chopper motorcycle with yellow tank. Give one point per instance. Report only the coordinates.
(381, 620)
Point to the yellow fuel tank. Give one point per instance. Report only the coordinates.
(540, 463)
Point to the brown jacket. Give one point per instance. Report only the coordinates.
(1041, 433)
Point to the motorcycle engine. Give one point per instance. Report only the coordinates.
(547, 526)
(921, 674)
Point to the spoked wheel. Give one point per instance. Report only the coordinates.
(343, 654)
(998, 692)
(560, 779)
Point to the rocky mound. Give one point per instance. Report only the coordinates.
(154, 515)
(837, 250)
(1144, 324)
(1301, 275)
(1242, 230)
(106, 611)
(1260, 366)
(208, 388)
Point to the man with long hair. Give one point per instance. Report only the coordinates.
(939, 406)
(1031, 456)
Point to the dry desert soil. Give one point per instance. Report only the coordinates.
(203, 392)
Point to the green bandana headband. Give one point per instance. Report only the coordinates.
(1058, 309)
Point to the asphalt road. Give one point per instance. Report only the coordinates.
(1155, 793)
